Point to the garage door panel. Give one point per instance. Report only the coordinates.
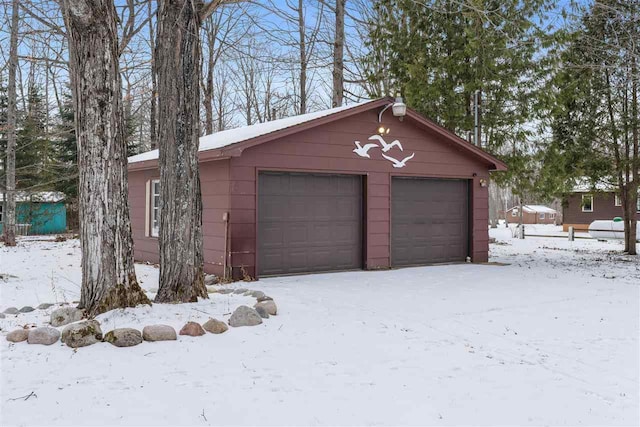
(429, 221)
(318, 226)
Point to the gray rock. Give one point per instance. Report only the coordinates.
(44, 336)
(245, 316)
(192, 329)
(225, 291)
(264, 298)
(153, 290)
(124, 337)
(2, 316)
(64, 316)
(215, 326)
(82, 334)
(240, 291)
(262, 311)
(258, 294)
(27, 309)
(159, 333)
(18, 335)
(270, 306)
(44, 306)
(210, 279)
(11, 310)
(212, 289)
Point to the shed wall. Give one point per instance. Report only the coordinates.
(214, 180)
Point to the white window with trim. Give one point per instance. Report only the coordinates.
(617, 200)
(541, 215)
(155, 208)
(587, 203)
(552, 215)
(514, 212)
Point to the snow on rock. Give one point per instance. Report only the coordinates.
(550, 338)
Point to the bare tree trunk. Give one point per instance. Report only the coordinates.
(178, 68)
(338, 56)
(108, 275)
(154, 85)
(10, 201)
(635, 163)
(303, 58)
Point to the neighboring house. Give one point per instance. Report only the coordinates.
(41, 212)
(585, 205)
(325, 192)
(532, 214)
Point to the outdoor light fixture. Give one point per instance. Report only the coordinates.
(398, 107)
(483, 182)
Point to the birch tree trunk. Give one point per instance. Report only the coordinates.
(9, 228)
(178, 72)
(108, 275)
(338, 56)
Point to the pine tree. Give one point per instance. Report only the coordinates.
(439, 53)
(33, 152)
(66, 161)
(594, 106)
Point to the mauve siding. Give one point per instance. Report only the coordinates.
(603, 208)
(214, 180)
(328, 149)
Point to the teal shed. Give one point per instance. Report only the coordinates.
(38, 213)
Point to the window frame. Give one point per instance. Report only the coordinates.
(617, 200)
(583, 205)
(541, 215)
(552, 215)
(154, 222)
(514, 213)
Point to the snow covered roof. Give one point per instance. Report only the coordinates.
(37, 196)
(232, 136)
(585, 185)
(535, 209)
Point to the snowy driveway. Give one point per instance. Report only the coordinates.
(551, 338)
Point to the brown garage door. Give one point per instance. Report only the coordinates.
(429, 221)
(309, 222)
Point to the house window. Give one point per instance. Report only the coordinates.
(514, 212)
(155, 208)
(617, 200)
(587, 203)
(552, 216)
(542, 215)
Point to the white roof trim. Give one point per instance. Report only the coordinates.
(233, 136)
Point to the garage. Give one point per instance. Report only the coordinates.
(429, 221)
(309, 222)
(348, 188)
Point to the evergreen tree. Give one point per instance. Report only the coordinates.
(439, 53)
(33, 152)
(594, 106)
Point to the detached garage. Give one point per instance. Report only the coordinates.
(329, 191)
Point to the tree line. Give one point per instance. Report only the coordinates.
(556, 92)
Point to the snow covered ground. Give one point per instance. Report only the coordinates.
(550, 338)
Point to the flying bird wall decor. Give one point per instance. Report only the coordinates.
(363, 150)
